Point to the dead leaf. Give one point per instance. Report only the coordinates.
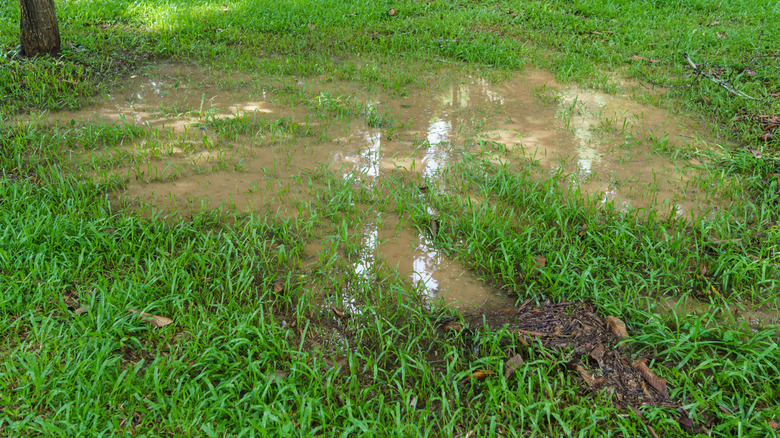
(532, 333)
(512, 365)
(589, 378)
(312, 26)
(522, 306)
(720, 35)
(714, 23)
(618, 327)
(756, 153)
(541, 261)
(706, 100)
(656, 382)
(82, 309)
(453, 326)
(685, 421)
(767, 136)
(648, 60)
(717, 292)
(391, 12)
(597, 353)
(340, 314)
(154, 320)
(278, 286)
(277, 376)
(583, 229)
(725, 410)
(773, 424)
(704, 270)
(109, 231)
(481, 374)
(340, 364)
(434, 228)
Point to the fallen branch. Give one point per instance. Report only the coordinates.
(717, 81)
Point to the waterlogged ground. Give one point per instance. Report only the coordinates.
(365, 225)
(245, 143)
(607, 143)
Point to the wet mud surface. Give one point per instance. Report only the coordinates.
(248, 144)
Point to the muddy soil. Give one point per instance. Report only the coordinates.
(608, 144)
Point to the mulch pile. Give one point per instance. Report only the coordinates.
(602, 365)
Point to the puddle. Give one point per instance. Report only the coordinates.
(389, 244)
(610, 145)
(607, 143)
(413, 255)
(171, 98)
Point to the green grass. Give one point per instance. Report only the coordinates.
(243, 358)
(275, 38)
(240, 354)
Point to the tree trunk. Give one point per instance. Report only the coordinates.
(40, 33)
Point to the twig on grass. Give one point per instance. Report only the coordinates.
(717, 81)
(656, 84)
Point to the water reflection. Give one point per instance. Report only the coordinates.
(367, 259)
(510, 114)
(370, 154)
(412, 253)
(436, 155)
(426, 261)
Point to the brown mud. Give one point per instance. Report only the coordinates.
(389, 244)
(608, 144)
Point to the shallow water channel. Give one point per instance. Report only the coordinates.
(610, 145)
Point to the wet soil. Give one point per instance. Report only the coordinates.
(608, 144)
(390, 244)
